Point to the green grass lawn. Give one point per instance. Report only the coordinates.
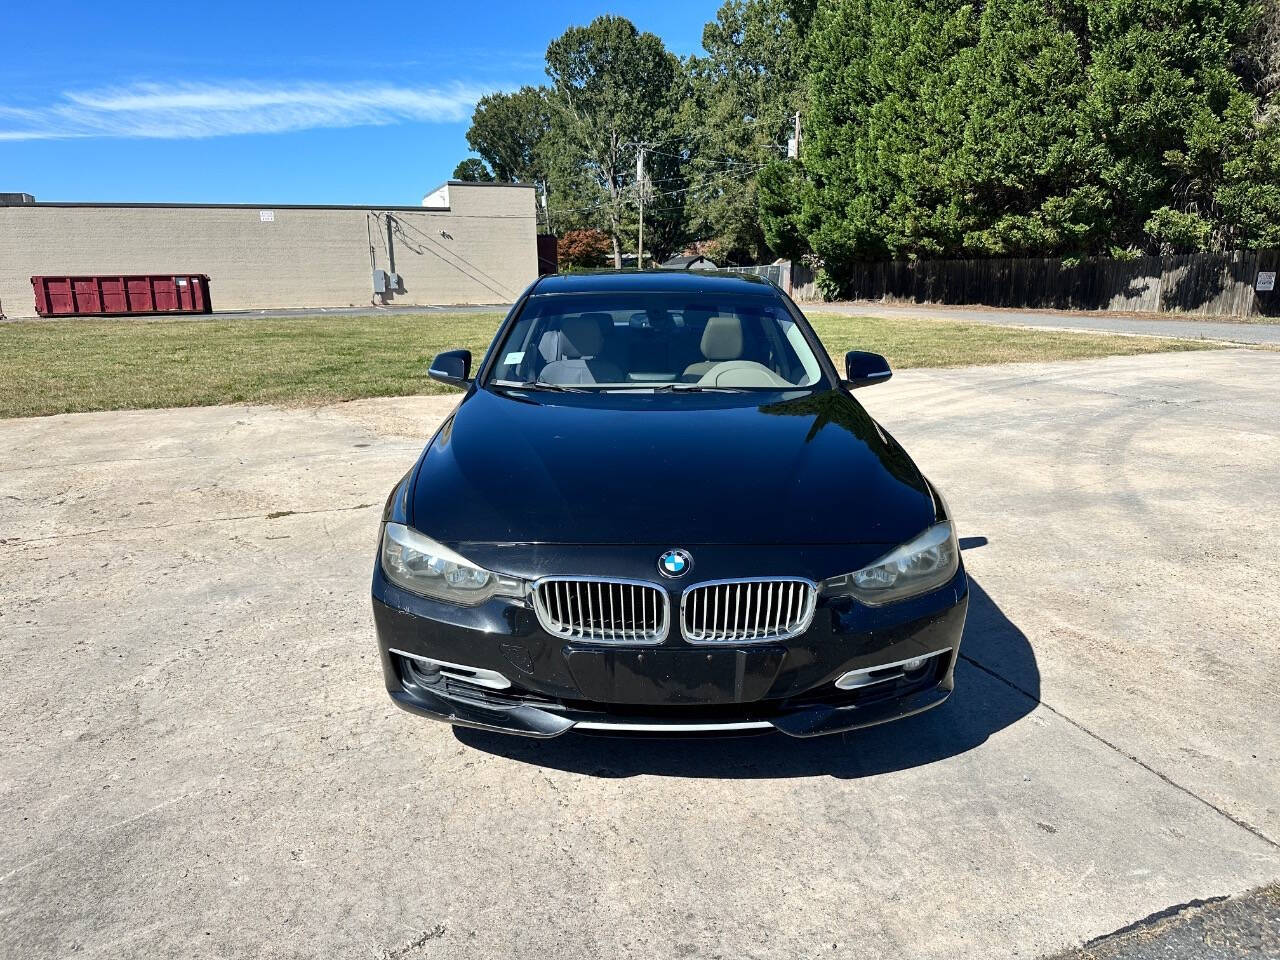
(64, 366)
(911, 342)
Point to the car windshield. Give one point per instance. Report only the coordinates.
(639, 341)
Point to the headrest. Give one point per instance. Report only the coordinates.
(581, 336)
(696, 316)
(549, 345)
(603, 320)
(722, 340)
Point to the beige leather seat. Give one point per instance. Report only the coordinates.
(580, 343)
(721, 341)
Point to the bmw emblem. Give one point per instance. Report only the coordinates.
(675, 563)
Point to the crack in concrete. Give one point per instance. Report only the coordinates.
(17, 541)
(417, 943)
(1242, 824)
(91, 463)
(1149, 401)
(100, 830)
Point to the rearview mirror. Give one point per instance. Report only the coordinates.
(452, 367)
(861, 369)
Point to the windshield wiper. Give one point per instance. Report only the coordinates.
(538, 385)
(694, 388)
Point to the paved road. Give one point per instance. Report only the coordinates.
(197, 757)
(1232, 928)
(1265, 333)
(368, 311)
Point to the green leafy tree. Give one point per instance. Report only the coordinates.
(473, 170)
(507, 130)
(613, 88)
(746, 91)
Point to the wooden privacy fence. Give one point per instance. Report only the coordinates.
(1217, 284)
(1213, 284)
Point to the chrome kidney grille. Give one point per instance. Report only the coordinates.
(602, 610)
(747, 611)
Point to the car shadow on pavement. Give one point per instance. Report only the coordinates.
(997, 684)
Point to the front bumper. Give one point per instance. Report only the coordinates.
(502, 672)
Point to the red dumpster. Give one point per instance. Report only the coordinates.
(147, 293)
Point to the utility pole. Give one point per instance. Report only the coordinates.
(391, 244)
(640, 198)
(793, 145)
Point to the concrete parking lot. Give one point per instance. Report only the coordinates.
(197, 757)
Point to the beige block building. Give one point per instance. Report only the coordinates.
(468, 243)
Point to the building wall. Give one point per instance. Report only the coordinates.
(481, 249)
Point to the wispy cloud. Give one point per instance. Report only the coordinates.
(183, 111)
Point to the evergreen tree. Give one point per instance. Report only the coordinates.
(881, 123)
(1163, 114)
(1028, 127)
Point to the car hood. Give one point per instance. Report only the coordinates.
(669, 469)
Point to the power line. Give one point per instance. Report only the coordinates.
(726, 161)
(746, 121)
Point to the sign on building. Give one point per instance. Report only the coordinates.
(1266, 280)
(267, 216)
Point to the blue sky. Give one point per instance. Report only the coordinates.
(266, 102)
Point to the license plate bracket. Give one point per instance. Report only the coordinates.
(674, 677)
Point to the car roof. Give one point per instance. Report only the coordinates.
(657, 281)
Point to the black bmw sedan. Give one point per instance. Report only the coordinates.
(659, 509)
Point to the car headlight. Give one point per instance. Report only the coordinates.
(420, 565)
(918, 566)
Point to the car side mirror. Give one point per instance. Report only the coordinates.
(862, 369)
(452, 367)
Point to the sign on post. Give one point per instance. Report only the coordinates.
(1266, 281)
